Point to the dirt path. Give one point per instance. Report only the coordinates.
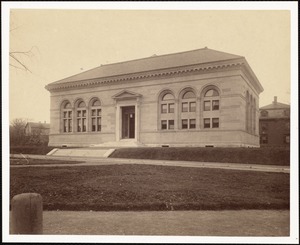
(174, 223)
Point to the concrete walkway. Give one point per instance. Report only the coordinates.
(170, 223)
(92, 161)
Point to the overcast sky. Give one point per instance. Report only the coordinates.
(66, 42)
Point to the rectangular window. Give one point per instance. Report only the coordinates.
(192, 123)
(70, 125)
(164, 108)
(207, 105)
(70, 114)
(192, 106)
(78, 113)
(65, 114)
(79, 125)
(93, 112)
(164, 124)
(65, 125)
(171, 108)
(215, 122)
(264, 139)
(98, 112)
(94, 124)
(185, 107)
(206, 122)
(184, 123)
(83, 125)
(171, 124)
(84, 113)
(215, 105)
(99, 124)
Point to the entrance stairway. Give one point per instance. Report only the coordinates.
(95, 151)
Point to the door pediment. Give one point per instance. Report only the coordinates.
(125, 95)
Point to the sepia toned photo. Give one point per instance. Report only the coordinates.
(150, 124)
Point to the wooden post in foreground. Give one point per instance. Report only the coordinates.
(27, 214)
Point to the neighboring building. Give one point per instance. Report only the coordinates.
(196, 98)
(274, 124)
(33, 128)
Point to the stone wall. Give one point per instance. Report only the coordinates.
(232, 85)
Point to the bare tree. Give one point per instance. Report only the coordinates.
(17, 131)
(17, 58)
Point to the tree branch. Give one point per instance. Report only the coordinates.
(18, 61)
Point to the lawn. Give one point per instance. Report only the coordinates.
(30, 149)
(32, 161)
(268, 156)
(146, 187)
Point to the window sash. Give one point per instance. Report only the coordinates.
(192, 123)
(164, 108)
(192, 106)
(206, 122)
(99, 124)
(206, 105)
(171, 107)
(185, 107)
(215, 105)
(70, 125)
(163, 124)
(171, 124)
(184, 123)
(215, 122)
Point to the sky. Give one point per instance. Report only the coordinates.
(66, 42)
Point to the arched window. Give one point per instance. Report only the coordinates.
(188, 110)
(95, 115)
(67, 117)
(168, 104)
(211, 105)
(167, 111)
(211, 100)
(81, 116)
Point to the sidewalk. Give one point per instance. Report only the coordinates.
(170, 223)
(88, 161)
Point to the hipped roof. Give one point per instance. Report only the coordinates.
(155, 62)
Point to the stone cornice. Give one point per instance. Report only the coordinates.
(252, 77)
(165, 73)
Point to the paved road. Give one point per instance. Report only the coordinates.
(108, 161)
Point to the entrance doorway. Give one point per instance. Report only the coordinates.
(128, 122)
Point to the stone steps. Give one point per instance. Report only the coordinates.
(82, 152)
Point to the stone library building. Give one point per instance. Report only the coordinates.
(202, 97)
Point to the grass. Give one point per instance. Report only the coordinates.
(145, 187)
(32, 161)
(36, 150)
(268, 156)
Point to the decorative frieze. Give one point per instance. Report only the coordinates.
(130, 77)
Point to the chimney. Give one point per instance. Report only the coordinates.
(275, 100)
